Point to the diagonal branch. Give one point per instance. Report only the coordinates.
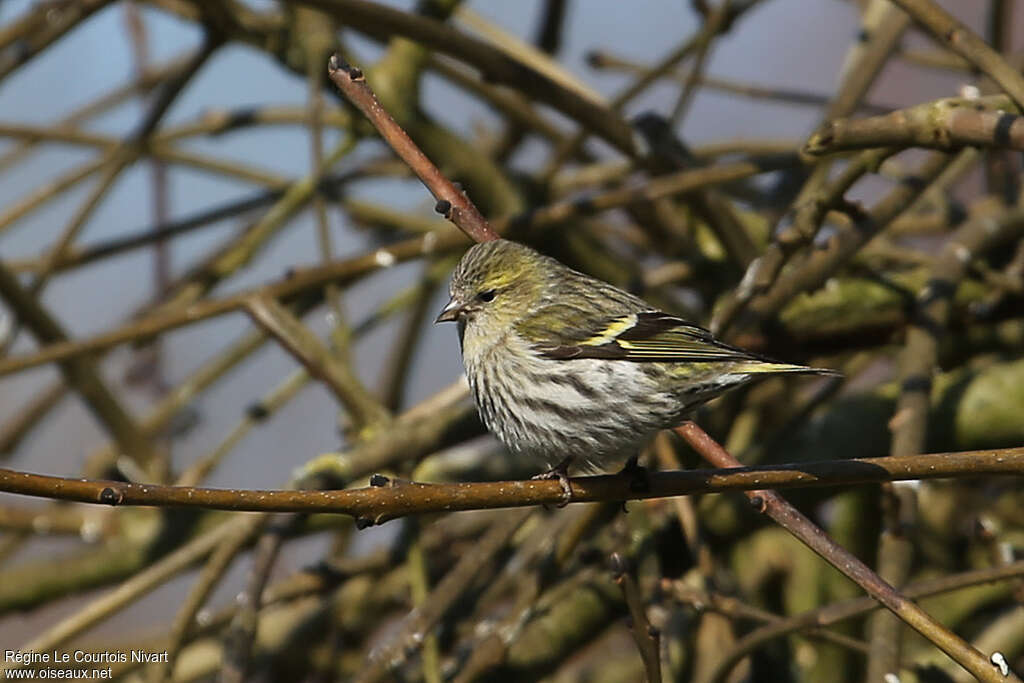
(80, 372)
(350, 80)
(314, 355)
(949, 31)
(788, 517)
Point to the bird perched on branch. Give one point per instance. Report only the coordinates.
(572, 369)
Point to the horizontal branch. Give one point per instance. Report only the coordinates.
(946, 124)
(294, 283)
(387, 499)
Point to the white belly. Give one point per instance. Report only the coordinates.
(598, 412)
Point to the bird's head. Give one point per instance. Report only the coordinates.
(495, 284)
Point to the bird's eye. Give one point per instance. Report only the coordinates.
(486, 295)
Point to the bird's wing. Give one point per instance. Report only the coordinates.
(642, 336)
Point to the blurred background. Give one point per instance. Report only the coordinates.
(80, 80)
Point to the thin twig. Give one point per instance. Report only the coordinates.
(836, 612)
(441, 599)
(301, 280)
(318, 360)
(773, 505)
(950, 32)
(646, 636)
(350, 80)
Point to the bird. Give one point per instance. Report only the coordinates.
(571, 370)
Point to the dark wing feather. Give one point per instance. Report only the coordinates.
(648, 336)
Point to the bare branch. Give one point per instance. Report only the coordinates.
(386, 499)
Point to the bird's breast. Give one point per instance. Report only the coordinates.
(598, 411)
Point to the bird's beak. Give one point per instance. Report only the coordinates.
(449, 313)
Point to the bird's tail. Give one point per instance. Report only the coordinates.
(766, 368)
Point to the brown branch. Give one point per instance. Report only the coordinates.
(418, 569)
(40, 27)
(352, 83)
(301, 280)
(788, 517)
(452, 587)
(101, 249)
(49, 190)
(138, 585)
(546, 552)
(318, 360)
(668, 62)
(989, 227)
(895, 554)
(950, 32)
(145, 82)
(213, 571)
(738, 609)
(865, 59)
(646, 636)
(917, 364)
(256, 413)
(798, 230)
(341, 272)
(667, 185)
(848, 609)
(715, 24)
(80, 373)
(57, 520)
(387, 500)
(240, 636)
(494, 65)
(946, 124)
(603, 59)
(822, 263)
(30, 415)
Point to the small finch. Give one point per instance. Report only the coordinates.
(572, 369)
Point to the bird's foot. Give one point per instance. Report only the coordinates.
(561, 473)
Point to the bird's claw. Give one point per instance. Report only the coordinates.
(561, 473)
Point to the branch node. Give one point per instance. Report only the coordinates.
(257, 412)
(336, 63)
(618, 564)
(999, 661)
(379, 480)
(110, 496)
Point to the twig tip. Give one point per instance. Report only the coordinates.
(336, 63)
